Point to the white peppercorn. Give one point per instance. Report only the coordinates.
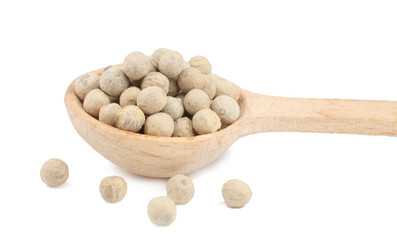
(201, 63)
(174, 107)
(196, 100)
(183, 127)
(180, 189)
(136, 65)
(206, 121)
(94, 100)
(85, 83)
(171, 64)
(107, 113)
(151, 100)
(156, 79)
(54, 172)
(155, 58)
(159, 124)
(129, 96)
(113, 189)
(224, 87)
(192, 78)
(226, 108)
(173, 88)
(130, 118)
(113, 81)
(161, 211)
(236, 193)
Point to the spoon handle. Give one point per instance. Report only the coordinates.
(279, 114)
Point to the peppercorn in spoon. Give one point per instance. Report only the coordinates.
(163, 157)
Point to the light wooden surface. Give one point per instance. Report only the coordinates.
(164, 157)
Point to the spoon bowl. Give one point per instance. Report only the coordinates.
(164, 157)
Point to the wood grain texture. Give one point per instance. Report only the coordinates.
(164, 157)
(279, 114)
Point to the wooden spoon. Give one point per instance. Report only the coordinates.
(164, 156)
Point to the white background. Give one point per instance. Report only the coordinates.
(305, 186)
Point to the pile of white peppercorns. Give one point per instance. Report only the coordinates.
(161, 210)
(161, 93)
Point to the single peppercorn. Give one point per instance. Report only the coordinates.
(236, 193)
(183, 127)
(159, 124)
(151, 100)
(156, 79)
(196, 100)
(174, 107)
(85, 83)
(161, 211)
(129, 96)
(107, 113)
(206, 121)
(130, 118)
(136, 65)
(113, 81)
(94, 100)
(171, 64)
(226, 108)
(54, 172)
(180, 189)
(113, 189)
